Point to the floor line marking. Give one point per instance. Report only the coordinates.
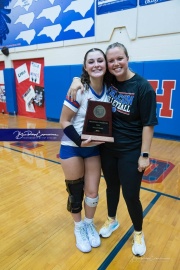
(125, 238)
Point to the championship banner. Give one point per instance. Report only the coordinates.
(107, 6)
(150, 2)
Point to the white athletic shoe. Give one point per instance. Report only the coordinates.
(82, 241)
(139, 246)
(93, 235)
(109, 226)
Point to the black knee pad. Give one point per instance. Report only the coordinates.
(75, 188)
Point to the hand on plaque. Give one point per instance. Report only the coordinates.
(89, 142)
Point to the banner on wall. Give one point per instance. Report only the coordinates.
(30, 22)
(30, 87)
(107, 6)
(32, 95)
(150, 2)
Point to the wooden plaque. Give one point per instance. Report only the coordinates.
(98, 122)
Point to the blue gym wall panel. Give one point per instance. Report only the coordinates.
(137, 67)
(56, 84)
(57, 80)
(161, 71)
(10, 86)
(75, 71)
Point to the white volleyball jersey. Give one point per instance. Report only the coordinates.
(79, 106)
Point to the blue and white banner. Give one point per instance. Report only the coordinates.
(106, 6)
(30, 22)
(150, 2)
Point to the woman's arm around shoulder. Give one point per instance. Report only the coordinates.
(75, 85)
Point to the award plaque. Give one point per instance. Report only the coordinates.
(98, 122)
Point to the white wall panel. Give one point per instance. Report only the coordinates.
(159, 19)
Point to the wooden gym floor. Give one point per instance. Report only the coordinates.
(36, 231)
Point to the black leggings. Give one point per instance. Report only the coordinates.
(121, 170)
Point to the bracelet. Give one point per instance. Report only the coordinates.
(72, 134)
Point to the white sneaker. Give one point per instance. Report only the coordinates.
(93, 235)
(82, 241)
(139, 246)
(109, 226)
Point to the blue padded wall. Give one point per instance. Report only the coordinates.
(76, 71)
(56, 83)
(137, 67)
(10, 86)
(57, 80)
(166, 71)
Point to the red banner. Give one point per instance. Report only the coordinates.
(29, 75)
